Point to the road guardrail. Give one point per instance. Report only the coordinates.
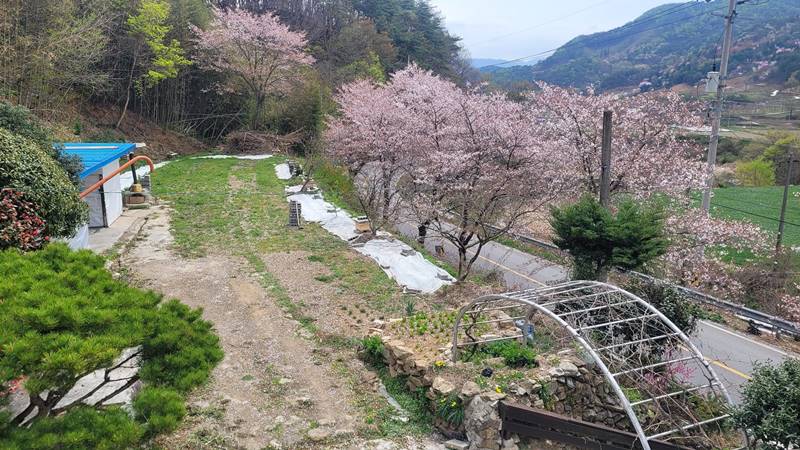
(776, 324)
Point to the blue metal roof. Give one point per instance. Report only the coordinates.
(95, 156)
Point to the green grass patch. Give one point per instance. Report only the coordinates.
(751, 203)
(415, 403)
(338, 187)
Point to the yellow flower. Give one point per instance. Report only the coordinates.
(439, 364)
(453, 404)
(498, 389)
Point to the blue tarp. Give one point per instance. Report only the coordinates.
(95, 156)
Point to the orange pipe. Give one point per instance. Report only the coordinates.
(100, 183)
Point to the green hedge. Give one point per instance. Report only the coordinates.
(26, 167)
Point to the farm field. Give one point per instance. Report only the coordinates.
(760, 205)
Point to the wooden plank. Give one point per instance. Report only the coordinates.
(530, 422)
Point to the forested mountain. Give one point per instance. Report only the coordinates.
(677, 43)
(59, 54)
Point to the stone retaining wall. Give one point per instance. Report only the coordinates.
(569, 386)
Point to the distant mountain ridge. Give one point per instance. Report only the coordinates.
(673, 44)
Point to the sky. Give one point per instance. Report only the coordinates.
(510, 29)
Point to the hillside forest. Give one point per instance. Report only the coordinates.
(66, 59)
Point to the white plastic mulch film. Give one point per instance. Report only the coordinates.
(412, 271)
(283, 172)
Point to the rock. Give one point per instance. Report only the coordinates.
(442, 386)
(284, 381)
(382, 444)
(319, 434)
(401, 352)
(199, 405)
(303, 402)
(326, 422)
(275, 444)
(469, 390)
(455, 444)
(344, 432)
(569, 369)
(493, 396)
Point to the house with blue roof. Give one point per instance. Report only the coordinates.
(99, 160)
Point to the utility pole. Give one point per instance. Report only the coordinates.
(605, 167)
(717, 112)
(786, 185)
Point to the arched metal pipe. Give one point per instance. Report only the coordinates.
(527, 298)
(131, 162)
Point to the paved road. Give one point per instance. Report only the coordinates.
(731, 353)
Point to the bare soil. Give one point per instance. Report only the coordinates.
(278, 386)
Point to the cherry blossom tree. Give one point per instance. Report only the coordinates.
(370, 138)
(261, 54)
(649, 156)
(481, 163)
(468, 165)
(693, 259)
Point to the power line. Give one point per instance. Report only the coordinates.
(681, 7)
(556, 19)
(754, 214)
(761, 205)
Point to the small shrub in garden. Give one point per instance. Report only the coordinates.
(681, 311)
(771, 404)
(513, 353)
(28, 169)
(20, 226)
(450, 409)
(83, 428)
(20, 121)
(373, 350)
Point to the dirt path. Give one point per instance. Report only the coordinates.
(275, 388)
(272, 387)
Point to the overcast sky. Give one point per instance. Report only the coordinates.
(509, 29)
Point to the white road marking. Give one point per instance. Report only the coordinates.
(760, 344)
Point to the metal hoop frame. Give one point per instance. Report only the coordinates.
(597, 296)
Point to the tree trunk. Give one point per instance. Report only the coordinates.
(255, 122)
(463, 271)
(128, 90)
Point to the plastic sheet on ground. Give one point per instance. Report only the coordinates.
(315, 209)
(413, 271)
(283, 171)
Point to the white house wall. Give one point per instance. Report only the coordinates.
(113, 196)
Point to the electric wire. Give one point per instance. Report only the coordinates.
(754, 214)
(556, 19)
(681, 7)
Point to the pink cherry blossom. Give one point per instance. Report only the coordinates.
(259, 52)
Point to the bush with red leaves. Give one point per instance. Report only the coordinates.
(20, 225)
